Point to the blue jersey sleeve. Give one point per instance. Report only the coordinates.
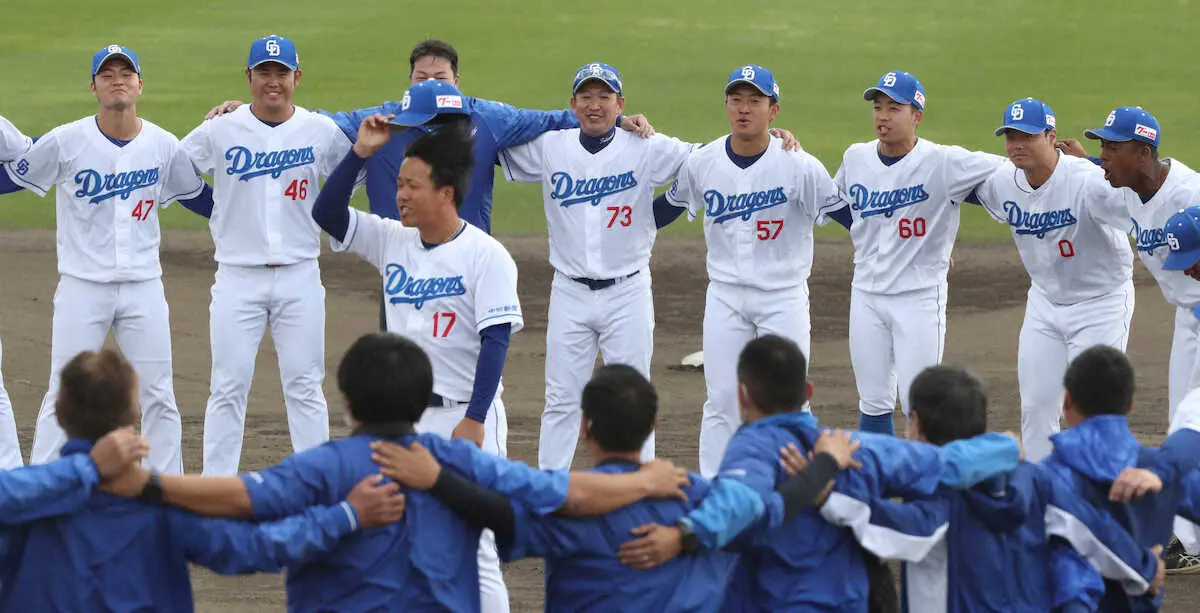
(34, 492)
(298, 482)
(512, 126)
(1189, 504)
(540, 491)
(230, 547)
(348, 121)
(727, 511)
(1078, 588)
(534, 536)
(1178, 455)
(968, 462)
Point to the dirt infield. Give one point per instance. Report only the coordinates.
(987, 290)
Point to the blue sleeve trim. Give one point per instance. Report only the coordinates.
(331, 211)
(1095, 160)
(493, 349)
(201, 204)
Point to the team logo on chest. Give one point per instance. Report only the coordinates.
(570, 190)
(250, 164)
(402, 288)
(1148, 239)
(885, 202)
(723, 207)
(1037, 224)
(97, 187)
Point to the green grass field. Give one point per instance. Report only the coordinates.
(1083, 57)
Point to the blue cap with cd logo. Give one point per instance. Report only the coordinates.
(597, 71)
(273, 49)
(427, 100)
(1028, 115)
(1125, 124)
(752, 74)
(111, 52)
(899, 86)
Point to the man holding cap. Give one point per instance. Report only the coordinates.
(901, 195)
(267, 160)
(598, 190)
(114, 171)
(759, 203)
(1069, 227)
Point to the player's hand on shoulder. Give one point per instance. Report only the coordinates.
(838, 444)
(1071, 146)
(373, 133)
(1193, 271)
(117, 451)
(127, 484)
(470, 430)
(1134, 483)
(638, 124)
(657, 545)
(662, 480)
(414, 467)
(224, 108)
(789, 140)
(376, 503)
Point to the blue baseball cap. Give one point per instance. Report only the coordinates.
(1125, 124)
(273, 49)
(1183, 238)
(899, 86)
(427, 100)
(761, 78)
(112, 51)
(597, 71)
(1029, 116)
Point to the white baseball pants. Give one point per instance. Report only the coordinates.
(893, 337)
(1051, 336)
(138, 315)
(733, 316)
(10, 444)
(245, 300)
(442, 420)
(617, 321)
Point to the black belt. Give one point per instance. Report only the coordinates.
(437, 401)
(599, 284)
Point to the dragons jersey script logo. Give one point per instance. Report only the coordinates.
(97, 187)
(885, 202)
(402, 288)
(570, 190)
(1148, 239)
(723, 207)
(250, 164)
(1037, 224)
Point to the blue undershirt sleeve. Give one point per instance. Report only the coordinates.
(7, 186)
(331, 211)
(842, 216)
(665, 212)
(202, 204)
(493, 349)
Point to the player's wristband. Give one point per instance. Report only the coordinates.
(620, 118)
(153, 490)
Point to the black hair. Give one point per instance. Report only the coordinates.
(950, 403)
(446, 147)
(775, 373)
(385, 378)
(620, 406)
(97, 394)
(1100, 381)
(433, 47)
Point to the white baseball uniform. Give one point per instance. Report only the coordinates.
(1071, 235)
(758, 227)
(905, 219)
(13, 144)
(108, 236)
(265, 181)
(600, 215)
(442, 298)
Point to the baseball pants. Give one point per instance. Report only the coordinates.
(1184, 374)
(137, 313)
(617, 321)
(245, 300)
(442, 420)
(1051, 336)
(10, 445)
(733, 316)
(892, 338)
(1187, 415)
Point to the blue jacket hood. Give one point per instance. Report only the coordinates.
(998, 505)
(1099, 447)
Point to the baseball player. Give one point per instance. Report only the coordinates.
(114, 171)
(448, 285)
(1069, 229)
(598, 191)
(902, 194)
(267, 160)
(12, 145)
(759, 204)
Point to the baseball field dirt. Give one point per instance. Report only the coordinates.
(987, 290)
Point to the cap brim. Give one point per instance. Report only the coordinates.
(275, 61)
(764, 92)
(1026, 129)
(1105, 134)
(869, 95)
(580, 84)
(119, 54)
(409, 119)
(1181, 260)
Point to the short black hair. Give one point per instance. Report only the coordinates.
(97, 394)
(620, 406)
(1100, 381)
(950, 403)
(433, 47)
(385, 378)
(446, 147)
(775, 373)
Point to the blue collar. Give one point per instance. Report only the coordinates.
(594, 144)
(76, 446)
(888, 160)
(741, 161)
(116, 141)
